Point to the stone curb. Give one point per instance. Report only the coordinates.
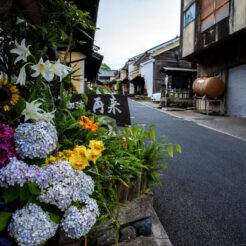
(158, 237)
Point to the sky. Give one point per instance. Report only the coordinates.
(130, 27)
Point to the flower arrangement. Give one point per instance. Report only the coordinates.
(45, 194)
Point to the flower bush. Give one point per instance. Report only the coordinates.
(7, 148)
(60, 168)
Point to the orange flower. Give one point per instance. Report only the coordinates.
(88, 124)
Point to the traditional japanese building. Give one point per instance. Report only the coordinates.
(213, 34)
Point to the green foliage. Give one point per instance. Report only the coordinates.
(104, 66)
(34, 189)
(149, 150)
(10, 194)
(119, 86)
(4, 218)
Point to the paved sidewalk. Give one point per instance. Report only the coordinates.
(233, 126)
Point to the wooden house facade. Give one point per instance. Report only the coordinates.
(157, 79)
(213, 34)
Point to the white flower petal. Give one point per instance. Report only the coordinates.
(22, 77)
(18, 59)
(36, 74)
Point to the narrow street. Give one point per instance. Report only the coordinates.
(203, 197)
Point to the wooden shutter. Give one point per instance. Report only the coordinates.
(213, 11)
(207, 8)
(221, 10)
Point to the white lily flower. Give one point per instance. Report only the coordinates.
(33, 111)
(36, 114)
(60, 70)
(43, 68)
(48, 117)
(22, 50)
(22, 77)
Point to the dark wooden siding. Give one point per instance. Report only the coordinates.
(167, 59)
(230, 53)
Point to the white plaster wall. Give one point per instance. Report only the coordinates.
(238, 21)
(187, 3)
(130, 70)
(131, 89)
(188, 39)
(147, 72)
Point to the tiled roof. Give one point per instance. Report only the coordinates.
(107, 73)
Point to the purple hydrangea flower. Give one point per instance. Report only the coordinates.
(66, 185)
(35, 140)
(18, 172)
(77, 222)
(31, 226)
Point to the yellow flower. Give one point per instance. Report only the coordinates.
(50, 160)
(8, 95)
(96, 145)
(78, 157)
(94, 155)
(88, 124)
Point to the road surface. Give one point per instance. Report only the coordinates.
(202, 201)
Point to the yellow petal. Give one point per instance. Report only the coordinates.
(14, 97)
(13, 89)
(5, 82)
(6, 108)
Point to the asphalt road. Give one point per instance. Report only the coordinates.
(203, 197)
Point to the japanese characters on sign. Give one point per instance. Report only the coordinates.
(115, 106)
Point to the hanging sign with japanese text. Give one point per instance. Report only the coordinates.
(114, 106)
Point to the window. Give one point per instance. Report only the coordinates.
(190, 14)
(212, 12)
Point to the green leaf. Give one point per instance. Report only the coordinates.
(4, 218)
(152, 134)
(19, 20)
(84, 98)
(55, 217)
(170, 150)
(10, 194)
(152, 125)
(32, 199)
(24, 193)
(34, 189)
(134, 131)
(101, 91)
(91, 90)
(37, 161)
(178, 148)
(107, 89)
(20, 106)
(64, 35)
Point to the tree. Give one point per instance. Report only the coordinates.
(104, 66)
